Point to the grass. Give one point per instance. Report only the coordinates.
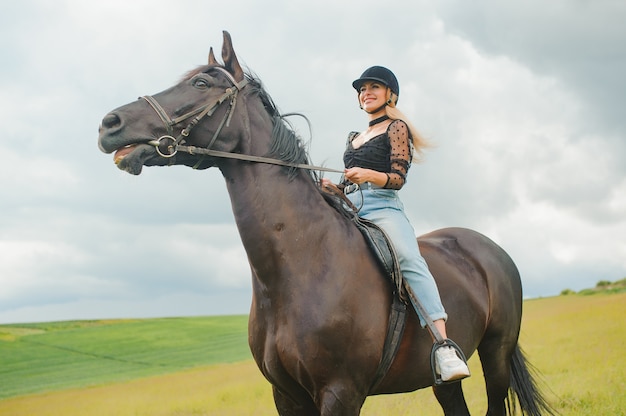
(222, 389)
(58, 355)
(581, 350)
(576, 341)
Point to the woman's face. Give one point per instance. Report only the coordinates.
(372, 95)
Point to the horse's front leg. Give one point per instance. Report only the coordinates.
(332, 402)
(287, 407)
(339, 399)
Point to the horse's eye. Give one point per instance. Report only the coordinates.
(201, 83)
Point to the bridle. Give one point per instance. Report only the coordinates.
(206, 110)
(174, 145)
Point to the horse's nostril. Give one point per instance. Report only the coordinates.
(111, 121)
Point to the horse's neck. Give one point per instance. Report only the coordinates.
(276, 216)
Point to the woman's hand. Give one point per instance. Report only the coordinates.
(356, 175)
(362, 175)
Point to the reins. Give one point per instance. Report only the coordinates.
(193, 150)
(174, 145)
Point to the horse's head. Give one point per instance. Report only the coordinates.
(198, 111)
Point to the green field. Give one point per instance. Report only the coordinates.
(59, 355)
(166, 367)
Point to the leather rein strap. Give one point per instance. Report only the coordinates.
(174, 145)
(192, 150)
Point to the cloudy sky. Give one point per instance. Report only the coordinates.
(524, 100)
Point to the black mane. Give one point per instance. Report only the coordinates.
(289, 147)
(286, 145)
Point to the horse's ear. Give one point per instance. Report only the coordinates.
(212, 60)
(230, 59)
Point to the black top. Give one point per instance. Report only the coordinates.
(390, 152)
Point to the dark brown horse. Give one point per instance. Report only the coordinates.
(320, 303)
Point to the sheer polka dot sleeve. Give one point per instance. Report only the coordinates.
(400, 154)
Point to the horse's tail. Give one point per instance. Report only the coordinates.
(523, 385)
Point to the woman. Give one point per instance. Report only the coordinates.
(377, 161)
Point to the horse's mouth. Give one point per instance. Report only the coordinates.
(132, 157)
(121, 153)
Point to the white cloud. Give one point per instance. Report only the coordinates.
(530, 150)
(28, 263)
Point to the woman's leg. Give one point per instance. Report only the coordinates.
(414, 268)
(388, 214)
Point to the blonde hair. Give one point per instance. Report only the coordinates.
(419, 142)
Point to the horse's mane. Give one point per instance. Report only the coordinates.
(286, 144)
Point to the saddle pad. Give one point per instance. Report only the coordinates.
(383, 250)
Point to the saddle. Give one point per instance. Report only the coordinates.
(383, 250)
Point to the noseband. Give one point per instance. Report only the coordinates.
(206, 110)
(174, 145)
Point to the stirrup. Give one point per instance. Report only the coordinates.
(445, 343)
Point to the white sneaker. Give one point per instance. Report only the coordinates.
(449, 365)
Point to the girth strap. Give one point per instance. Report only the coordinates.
(395, 331)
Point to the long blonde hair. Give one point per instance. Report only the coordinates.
(419, 142)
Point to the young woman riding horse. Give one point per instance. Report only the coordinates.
(320, 301)
(377, 162)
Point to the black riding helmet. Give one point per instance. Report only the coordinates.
(378, 74)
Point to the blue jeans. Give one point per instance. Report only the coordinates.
(384, 208)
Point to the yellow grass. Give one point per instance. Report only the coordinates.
(577, 343)
(205, 391)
